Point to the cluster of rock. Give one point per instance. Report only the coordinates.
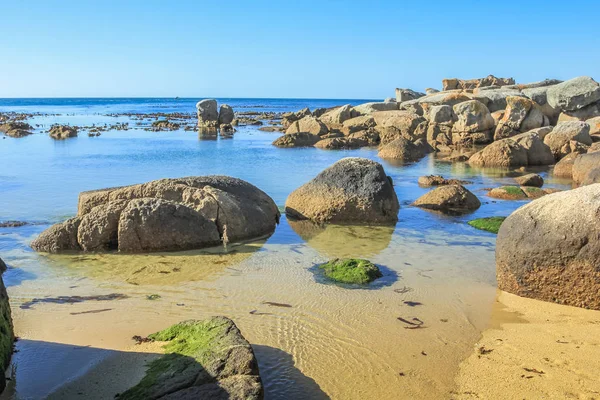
(164, 215)
(60, 132)
(212, 117)
(519, 125)
(16, 129)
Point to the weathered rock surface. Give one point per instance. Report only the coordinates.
(299, 139)
(450, 198)
(370, 108)
(502, 153)
(308, 124)
(353, 190)
(574, 94)
(474, 123)
(438, 180)
(564, 168)
(207, 359)
(339, 115)
(358, 124)
(208, 115)
(538, 153)
(226, 114)
(337, 143)
(16, 129)
(521, 115)
(559, 139)
(393, 125)
(401, 150)
(164, 215)
(549, 249)
(496, 99)
(407, 94)
(530, 180)
(62, 132)
(517, 192)
(584, 168)
(7, 336)
(490, 80)
(367, 137)
(288, 118)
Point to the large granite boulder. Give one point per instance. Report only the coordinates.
(449, 198)
(288, 118)
(60, 132)
(585, 168)
(370, 108)
(207, 359)
(226, 114)
(16, 129)
(474, 123)
(7, 336)
(393, 125)
(564, 168)
(401, 150)
(308, 124)
(367, 137)
(574, 94)
(502, 153)
(439, 130)
(540, 96)
(407, 94)
(549, 249)
(353, 190)
(559, 140)
(208, 114)
(358, 124)
(339, 115)
(521, 115)
(538, 153)
(164, 215)
(496, 99)
(338, 143)
(298, 139)
(490, 80)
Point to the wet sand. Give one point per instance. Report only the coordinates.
(534, 350)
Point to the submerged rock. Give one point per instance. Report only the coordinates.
(549, 249)
(351, 271)
(207, 359)
(450, 198)
(62, 132)
(517, 192)
(164, 215)
(353, 190)
(489, 224)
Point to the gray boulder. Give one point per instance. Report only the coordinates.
(299, 139)
(538, 153)
(521, 115)
(226, 114)
(407, 94)
(353, 190)
(559, 140)
(549, 249)
(495, 99)
(208, 115)
(574, 94)
(370, 108)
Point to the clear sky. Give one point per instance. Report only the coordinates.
(314, 49)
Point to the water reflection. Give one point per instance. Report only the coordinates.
(339, 241)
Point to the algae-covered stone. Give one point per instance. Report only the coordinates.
(6, 332)
(207, 359)
(508, 193)
(351, 270)
(489, 224)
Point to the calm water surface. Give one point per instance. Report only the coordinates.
(338, 342)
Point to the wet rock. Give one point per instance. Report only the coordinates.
(530, 180)
(308, 124)
(226, 114)
(208, 115)
(450, 198)
(7, 336)
(164, 215)
(353, 190)
(502, 153)
(351, 271)
(401, 150)
(207, 359)
(533, 258)
(16, 129)
(164, 125)
(490, 80)
(438, 180)
(62, 132)
(407, 94)
(474, 123)
(583, 166)
(559, 139)
(300, 139)
(574, 94)
(489, 224)
(521, 115)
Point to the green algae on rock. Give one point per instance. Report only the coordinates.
(351, 270)
(204, 359)
(490, 224)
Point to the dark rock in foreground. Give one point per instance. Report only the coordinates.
(549, 249)
(7, 336)
(164, 215)
(353, 190)
(207, 359)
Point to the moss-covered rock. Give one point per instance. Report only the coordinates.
(207, 359)
(490, 224)
(508, 193)
(7, 336)
(351, 270)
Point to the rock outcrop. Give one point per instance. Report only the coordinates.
(490, 80)
(449, 198)
(208, 114)
(401, 150)
(559, 140)
(299, 139)
(574, 94)
(339, 115)
(353, 190)
(164, 215)
(521, 115)
(502, 153)
(60, 132)
(407, 94)
(7, 336)
(308, 124)
(207, 359)
(549, 249)
(474, 123)
(16, 129)
(393, 125)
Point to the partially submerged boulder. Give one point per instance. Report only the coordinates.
(208, 115)
(16, 129)
(564, 168)
(502, 153)
(489, 224)
(226, 114)
(517, 192)
(351, 271)
(549, 249)
(353, 190)
(401, 150)
(308, 124)
(164, 215)
(207, 359)
(7, 336)
(438, 180)
(450, 198)
(62, 132)
(298, 139)
(530, 180)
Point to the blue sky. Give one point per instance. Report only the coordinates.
(311, 49)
